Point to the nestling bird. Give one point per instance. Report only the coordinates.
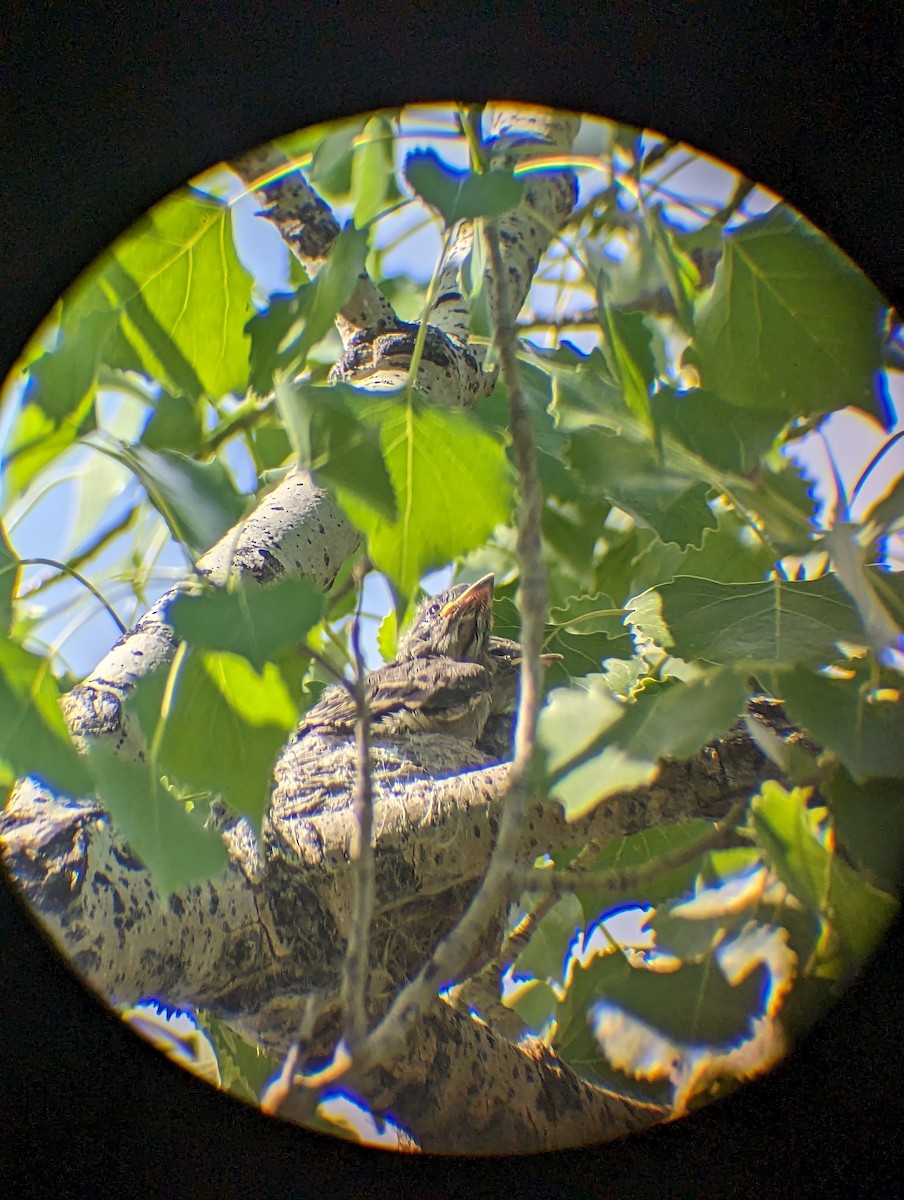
(450, 676)
(440, 681)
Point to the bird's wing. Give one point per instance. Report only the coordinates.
(428, 685)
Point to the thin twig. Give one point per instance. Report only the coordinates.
(64, 568)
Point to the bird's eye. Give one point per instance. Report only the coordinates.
(432, 610)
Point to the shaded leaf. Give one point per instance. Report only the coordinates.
(694, 1004)
(459, 195)
(866, 731)
(730, 438)
(789, 323)
(633, 476)
(34, 441)
(869, 821)
(732, 553)
(546, 953)
(197, 500)
(172, 843)
(771, 623)
(62, 377)
(627, 351)
(175, 424)
(256, 622)
(34, 739)
(858, 912)
(678, 268)
(284, 334)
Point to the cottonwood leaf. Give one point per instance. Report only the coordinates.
(790, 323)
(546, 953)
(224, 730)
(869, 821)
(333, 431)
(257, 623)
(460, 195)
(866, 731)
(171, 842)
(731, 438)
(857, 911)
(596, 745)
(9, 579)
(775, 622)
(185, 293)
(285, 333)
(453, 484)
(695, 1004)
(373, 181)
(633, 476)
(197, 500)
(34, 739)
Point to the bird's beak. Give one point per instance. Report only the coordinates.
(478, 595)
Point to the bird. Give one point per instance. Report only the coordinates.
(439, 682)
(451, 675)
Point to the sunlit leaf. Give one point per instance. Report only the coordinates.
(333, 431)
(771, 623)
(789, 324)
(9, 579)
(34, 441)
(185, 293)
(452, 483)
(225, 729)
(34, 739)
(373, 181)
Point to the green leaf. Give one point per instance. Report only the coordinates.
(34, 739)
(186, 295)
(226, 727)
(34, 441)
(197, 500)
(633, 476)
(678, 268)
(640, 851)
(544, 956)
(869, 821)
(730, 554)
(332, 430)
(175, 424)
(770, 623)
(452, 483)
(373, 181)
(858, 912)
(730, 438)
(864, 730)
(387, 636)
(62, 378)
(627, 351)
(461, 195)
(790, 324)
(331, 166)
(172, 843)
(596, 745)
(695, 1004)
(586, 630)
(258, 623)
(9, 579)
(283, 335)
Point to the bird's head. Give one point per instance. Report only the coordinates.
(455, 623)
